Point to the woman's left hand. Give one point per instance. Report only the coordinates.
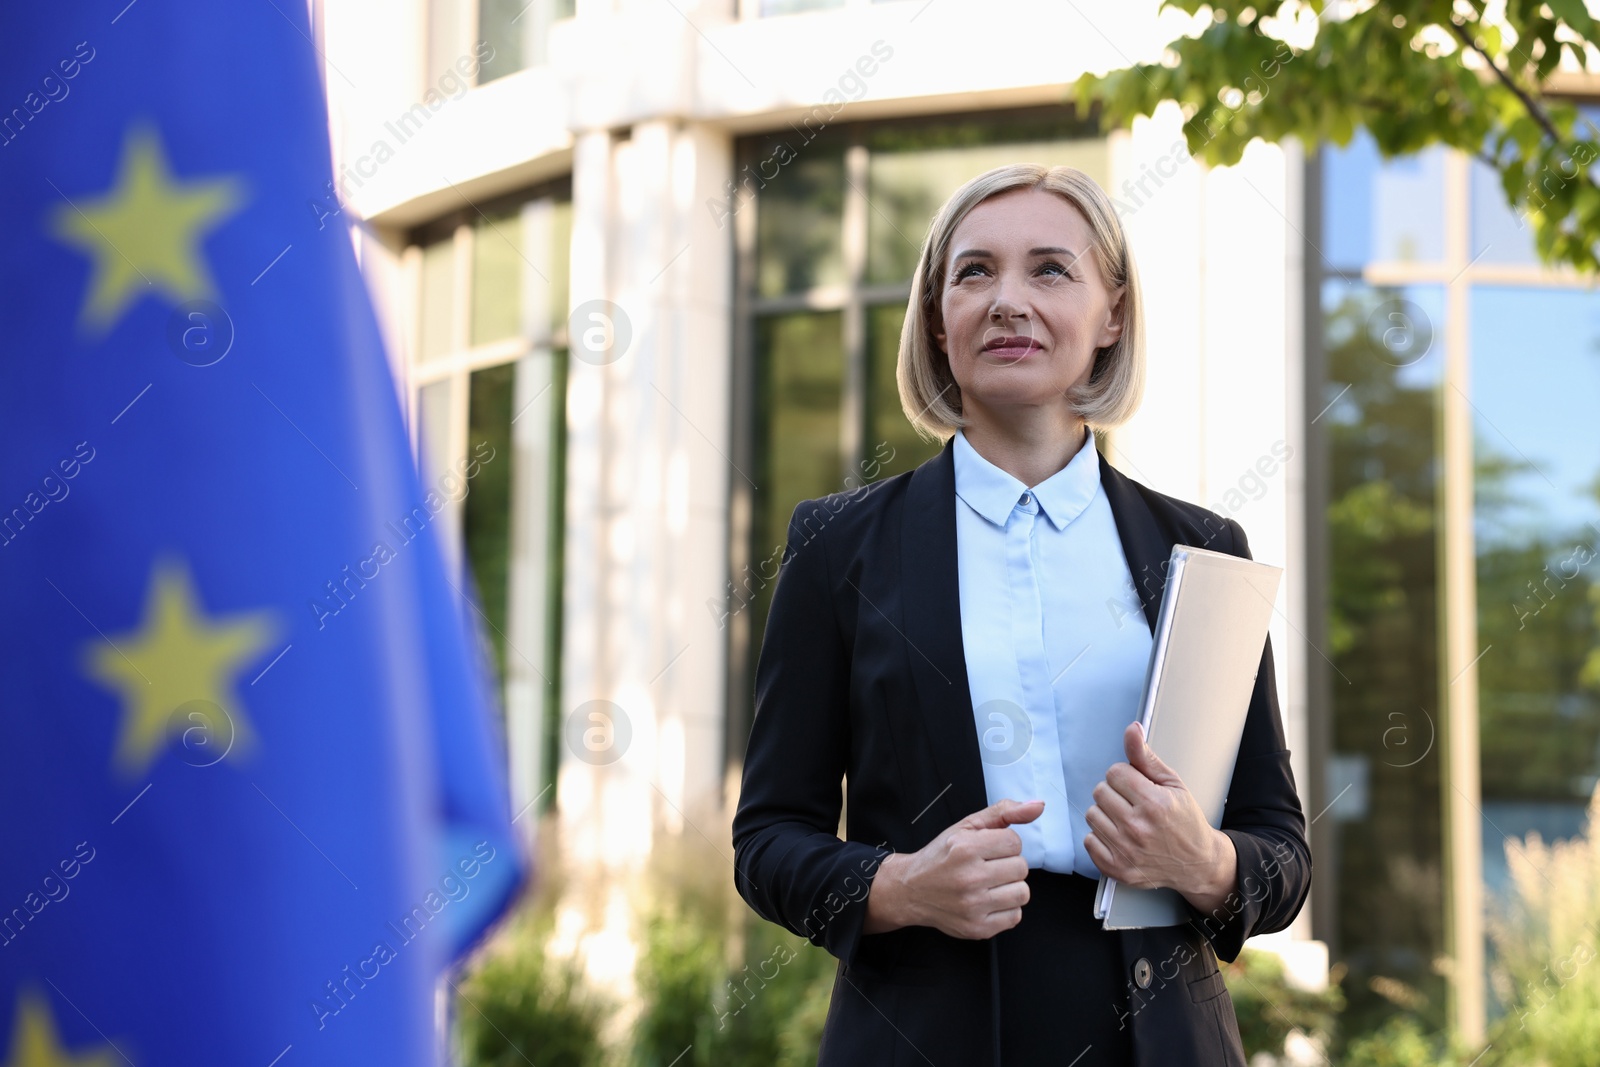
(1147, 830)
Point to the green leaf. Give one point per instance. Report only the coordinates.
(1575, 15)
(1362, 71)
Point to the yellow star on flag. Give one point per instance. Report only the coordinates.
(34, 1042)
(145, 231)
(175, 673)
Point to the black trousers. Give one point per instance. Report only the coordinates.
(1060, 994)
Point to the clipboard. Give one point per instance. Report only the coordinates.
(1208, 644)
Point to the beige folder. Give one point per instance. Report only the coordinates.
(1209, 639)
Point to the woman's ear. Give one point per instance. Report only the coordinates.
(1115, 316)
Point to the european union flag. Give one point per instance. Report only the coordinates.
(232, 834)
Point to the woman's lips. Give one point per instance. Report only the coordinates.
(1013, 349)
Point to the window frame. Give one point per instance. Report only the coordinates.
(456, 366)
(1457, 273)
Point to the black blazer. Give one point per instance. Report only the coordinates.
(862, 675)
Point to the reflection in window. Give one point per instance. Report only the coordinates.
(892, 445)
(490, 386)
(497, 282)
(1536, 452)
(546, 419)
(1384, 358)
(519, 33)
(518, 287)
(790, 7)
(1499, 235)
(800, 382)
(556, 218)
(799, 242)
(437, 297)
(907, 187)
(1383, 210)
(486, 518)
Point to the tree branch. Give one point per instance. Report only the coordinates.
(1505, 79)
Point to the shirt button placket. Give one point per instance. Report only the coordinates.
(1033, 669)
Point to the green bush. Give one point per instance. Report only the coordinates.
(1543, 937)
(765, 1006)
(677, 973)
(1544, 940)
(717, 985)
(518, 1006)
(1401, 1042)
(1268, 1007)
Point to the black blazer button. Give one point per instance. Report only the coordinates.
(1143, 973)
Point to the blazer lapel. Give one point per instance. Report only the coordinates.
(1147, 547)
(932, 621)
(931, 594)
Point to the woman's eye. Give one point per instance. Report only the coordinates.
(1060, 271)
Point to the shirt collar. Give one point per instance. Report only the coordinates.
(993, 493)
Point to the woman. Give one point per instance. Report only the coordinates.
(963, 645)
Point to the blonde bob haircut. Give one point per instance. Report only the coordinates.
(929, 394)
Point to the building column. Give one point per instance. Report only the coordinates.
(643, 664)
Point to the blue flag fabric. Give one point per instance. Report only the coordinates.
(236, 827)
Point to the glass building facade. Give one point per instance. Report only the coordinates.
(1463, 695)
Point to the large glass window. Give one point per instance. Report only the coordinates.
(766, 8)
(489, 420)
(790, 7)
(492, 37)
(800, 368)
(829, 227)
(1536, 452)
(1383, 211)
(1383, 353)
(1433, 303)
(519, 32)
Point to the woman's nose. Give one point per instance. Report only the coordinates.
(1006, 304)
(1004, 309)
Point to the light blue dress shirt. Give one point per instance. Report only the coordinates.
(1056, 642)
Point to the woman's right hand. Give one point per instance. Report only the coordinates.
(968, 882)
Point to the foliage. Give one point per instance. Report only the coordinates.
(1545, 948)
(1544, 940)
(518, 1005)
(1400, 1042)
(699, 1010)
(1429, 71)
(718, 985)
(1538, 728)
(1591, 666)
(679, 970)
(715, 984)
(1269, 1007)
